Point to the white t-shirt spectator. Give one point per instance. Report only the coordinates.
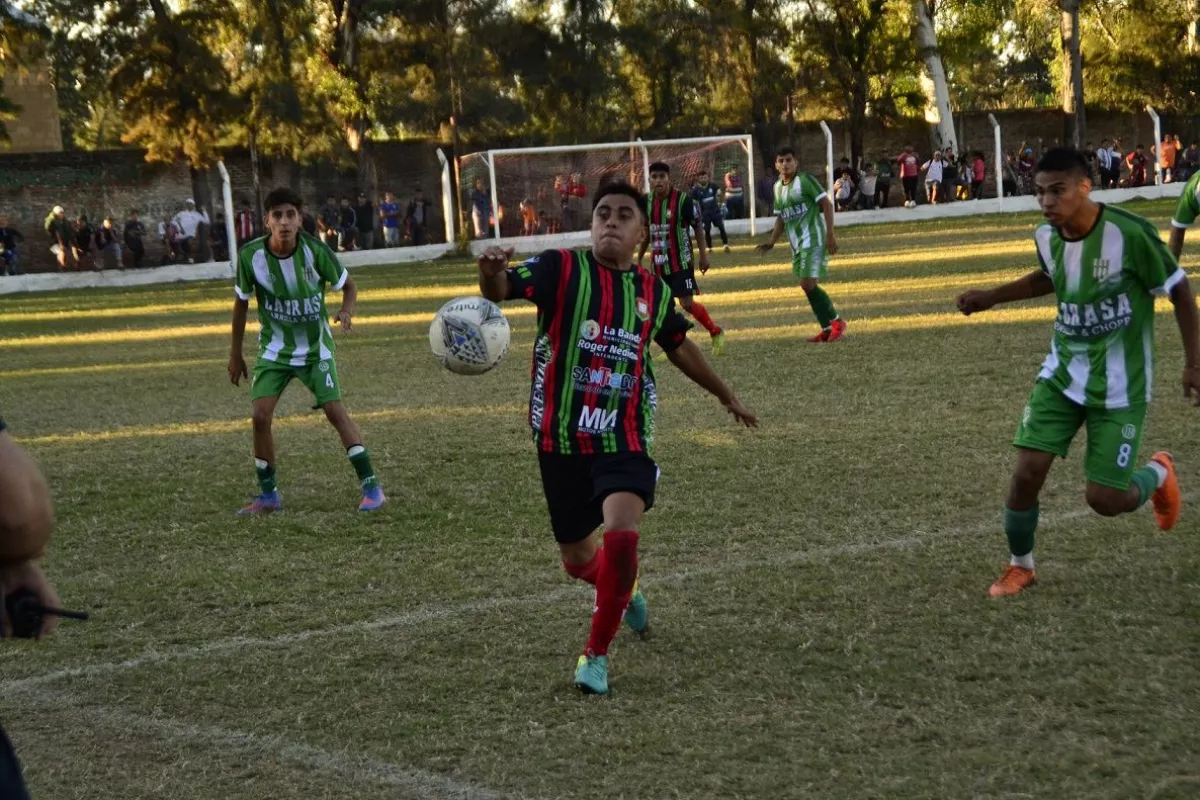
(188, 220)
(934, 173)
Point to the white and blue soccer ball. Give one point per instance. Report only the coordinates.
(469, 335)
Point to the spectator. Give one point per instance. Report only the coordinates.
(108, 246)
(389, 216)
(307, 222)
(1011, 188)
(883, 182)
(910, 167)
(947, 191)
(978, 175)
(134, 231)
(1168, 151)
(704, 195)
(563, 190)
(766, 190)
(220, 239)
(327, 222)
(481, 209)
(168, 234)
(243, 224)
(1104, 160)
(58, 227)
(735, 195)
(577, 196)
(347, 225)
(364, 220)
(843, 191)
(1025, 165)
(933, 177)
(9, 257)
(844, 168)
(966, 176)
(1118, 161)
(416, 218)
(1089, 152)
(868, 187)
(1191, 160)
(1137, 162)
(187, 223)
(529, 218)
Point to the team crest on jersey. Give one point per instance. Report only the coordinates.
(1129, 431)
(669, 215)
(643, 309)
(323, 366)
(1102, 270)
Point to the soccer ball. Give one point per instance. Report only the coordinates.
(469, 335)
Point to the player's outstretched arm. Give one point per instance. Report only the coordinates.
(776, 232)
(691, 362)
(493, 279)
(349, 299)
(237, 363)
(1035, 284)
(1188, 320)
(1175, 245)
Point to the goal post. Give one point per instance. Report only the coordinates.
(546, 191)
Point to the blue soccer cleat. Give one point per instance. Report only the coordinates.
(591, 674)
(637, 614)
(372, 499)
(265, 503)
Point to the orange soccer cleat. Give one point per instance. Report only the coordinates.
(1013, 580)
(1167, 499)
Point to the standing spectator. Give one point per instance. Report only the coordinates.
(243, 224)
(1089, 152)
(1168, 151)
(346, 225)
(134, 231)
(947, 190)
(481, 209)
(883, 181)
(910, 168)
(529, 218)
(59, 229)
(1025, 164)
(735, 194)
(868, 186)
(364, 216)
(83, 243)
(9, 257)
(577, 196)
(1191, 160)
(168, 234)
(1118, 161)
(220, 239)
(966, 176)
(933, 176)
(307, 222)
(187, 223)
(766, 188)
(1011, 189)
(1104, 160)
(327, 222)
(563, 189)
(416, 218)
(108, 246)
(389, 216)
(1137, 162)
(704, 196)
(978, 175)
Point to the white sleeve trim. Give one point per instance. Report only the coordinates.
(337, 287)
(1172, 281)
(237, 290)
(1177, 224)
(821, 197)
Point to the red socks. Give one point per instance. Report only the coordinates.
(586, 572)
(700, 313)
(614, 584)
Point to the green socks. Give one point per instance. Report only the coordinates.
(266, 476)
(360, 459)
(1147, 479)
(822, 306)
(1019, 527)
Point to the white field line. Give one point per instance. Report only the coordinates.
(346, 766)
(422, 616)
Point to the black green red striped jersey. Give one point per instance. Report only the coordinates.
(593, 381)
(671, 219)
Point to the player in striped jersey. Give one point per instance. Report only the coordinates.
(592, 402)
(804, 211)
(673, 218)
(1185, 213)
(287, 271)
(1105, 266)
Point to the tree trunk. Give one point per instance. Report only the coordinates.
(1072, 79)
(255, 180)
(1193, 38)
(933, 80)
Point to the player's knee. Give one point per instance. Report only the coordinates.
(808, 284)
(686, 301)
(261, 418)
(1105, 501)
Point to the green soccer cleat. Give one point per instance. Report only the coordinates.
(718, 343)
(591, 674)
(637, 615)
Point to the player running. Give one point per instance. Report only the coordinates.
(287, 272)
(592, 402)
(1105, 266)
(673, 219)
(1185, 214)
(799, 203)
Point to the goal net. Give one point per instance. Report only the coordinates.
(547, 191)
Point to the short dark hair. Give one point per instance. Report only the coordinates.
(1063, 159)
(660, 166)
(623, 188)
(785, 151)
(282, 196)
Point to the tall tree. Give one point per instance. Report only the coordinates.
(938, 111)
(1072, 84)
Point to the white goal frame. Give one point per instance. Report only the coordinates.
(745, 140)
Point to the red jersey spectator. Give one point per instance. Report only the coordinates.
(910, 169)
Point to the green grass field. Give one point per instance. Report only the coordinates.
(817, 586)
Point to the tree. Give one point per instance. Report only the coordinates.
(937, 92)
(22, 44)
(1072, 83)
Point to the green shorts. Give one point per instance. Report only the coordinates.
(321, 378)
(1113, 434)
(810, 263)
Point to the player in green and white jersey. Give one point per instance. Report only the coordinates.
(1185, 214)
(804, 211)
(1105, 266)
(287, 271)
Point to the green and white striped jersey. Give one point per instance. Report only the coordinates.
(1189, 203)
(1102, 354)
(291, 298)
(796, 203)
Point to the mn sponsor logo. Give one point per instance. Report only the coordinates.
(643, 309)
(596, 420)
(590, 330)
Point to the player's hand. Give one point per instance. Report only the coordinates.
(704, 264)
(831, 245)
(1191, 384)
(765, 247)
(237, 368)
(494, 260)
(28, 576)
(740, 412)
(973, 301)
(343, 316)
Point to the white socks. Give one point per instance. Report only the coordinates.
(1160, 471)
(1025, 561)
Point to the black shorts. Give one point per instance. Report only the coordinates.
(576, 486)
(682, 283)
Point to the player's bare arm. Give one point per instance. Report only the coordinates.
(493, 280)
(691, 362)
(776, 232)
(1035, 284)
(349, 299)
(26, 520)
(237, 363)
(1186, 316)
(1175, 245)
(830, 240)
